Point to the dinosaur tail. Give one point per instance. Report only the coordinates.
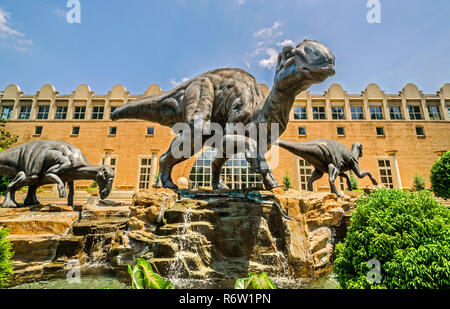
(299, 149)
(162, 109)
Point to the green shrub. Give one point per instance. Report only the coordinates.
(4, 182)
(408, 233)
(287, 182)
(6, 254)
(440, 176)
(354, 181)
(419, 183)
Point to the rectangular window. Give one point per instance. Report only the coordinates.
(43, 112)
(420, 131)
(306, 170)
(384, 167)
(337, 112)
(38, 131)
(80, 112)
(319, 112)
(340, 131)
(380, 131)
(7, 112)
(448, 111)
(25, 112)
(357, 113)
(75, 130)
(113, 164)
(434, 113)
(415, 113)
(376, 113)
(300, 113)
(395, 113)
(150, 130)
(97, 112)
(61, 112)
(145, 170)
(112, 130)
(302, 131)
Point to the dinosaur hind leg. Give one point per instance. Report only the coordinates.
(333, 172)
(316, 174)
(17, 182)
(173, 157)
(31, 199)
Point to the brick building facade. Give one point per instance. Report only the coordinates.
(402, 134)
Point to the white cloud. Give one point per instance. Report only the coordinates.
(11, 37)
(175, 83)
(270, 62)
(269, 32)
(239, 2)
(286, 43)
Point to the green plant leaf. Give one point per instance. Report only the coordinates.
(150, 278)
(243, 283)
(261, 282)
(137, 277)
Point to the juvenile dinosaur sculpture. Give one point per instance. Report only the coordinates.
(43, 162)
(233, 96)
(330, 157)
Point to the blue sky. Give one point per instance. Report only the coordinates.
(139, 42)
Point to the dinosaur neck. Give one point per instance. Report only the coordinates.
(86, 172)
(277, 108)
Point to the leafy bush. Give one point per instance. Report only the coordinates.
(143, 277)
(408, 233)
(6, 138)
(6, 254)
(354, 181)
(440, 176)
(287, 182)
(419, 182)
(4, 182)
(255, 281)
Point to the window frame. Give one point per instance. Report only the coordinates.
(381, 135)
(342, 134)
(73, 129)
(437, 109)
(43, 115)
(77, 114)
(337, 116)
(413, 112)
(111, 129)
(398, 113)
(9, 114)
(301, 134)
(319, 111)
(361, 113)
(59, 114)
(26, 113)
(302, 115)
(378, 113)
(150, 134)
(38, 128)
(98, 112)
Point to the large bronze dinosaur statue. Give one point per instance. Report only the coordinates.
(43, 162)
(233, 96)
(328, 156)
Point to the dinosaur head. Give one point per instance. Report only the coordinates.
(310, 62)
(105, 179)
(357, 149)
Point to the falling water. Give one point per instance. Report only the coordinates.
(177, 266)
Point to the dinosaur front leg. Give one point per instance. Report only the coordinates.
(316, 175)
(52, 178)
(9, 201)
(217, 182)
(362, 174)
(333, 172)
(31, 199)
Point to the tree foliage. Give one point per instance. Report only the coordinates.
(408, 233)
(4, 182)
(6, 138)
(419, 182)
(354, 181)
(440, 176)
(6, 254)
(287, 182)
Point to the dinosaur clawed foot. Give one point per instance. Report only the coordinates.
(220, 186)
(9, 203)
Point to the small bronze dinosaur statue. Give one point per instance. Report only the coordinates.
(231, 96)
(328, 156)
(43, 162)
